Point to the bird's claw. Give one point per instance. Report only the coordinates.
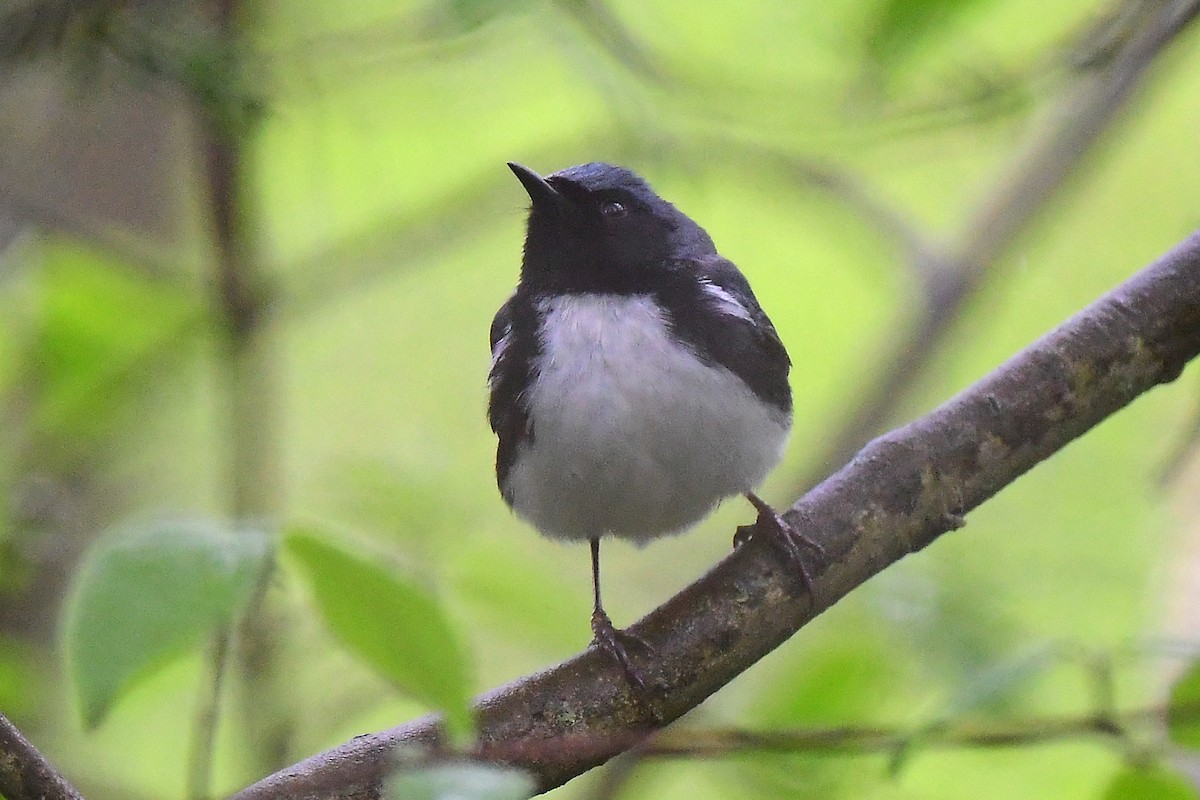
(787, 540)
(617, 643)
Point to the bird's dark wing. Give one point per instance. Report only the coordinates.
(721, 317)
(514, 345)
(501, 324)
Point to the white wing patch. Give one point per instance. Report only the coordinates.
(726, 302)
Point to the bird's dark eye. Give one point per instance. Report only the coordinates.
(612, 209)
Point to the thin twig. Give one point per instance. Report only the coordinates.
(1026, 732)
(204, 727)
(869, 739)
(940, 732)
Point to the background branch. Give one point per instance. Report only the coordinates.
(873, 739)
(899, 494)
(1119, 728)
(1004, 214)
(247, 363)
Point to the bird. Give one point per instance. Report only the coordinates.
(635, 380)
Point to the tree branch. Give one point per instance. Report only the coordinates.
(899, 494)
(25, 774)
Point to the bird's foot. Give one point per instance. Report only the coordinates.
(786, 539)
(617, 643)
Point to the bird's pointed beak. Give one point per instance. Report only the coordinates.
(543, 195)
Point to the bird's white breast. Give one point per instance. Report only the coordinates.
(633, 435)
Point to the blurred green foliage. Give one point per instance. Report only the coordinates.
(376, 137)
(1185, 697)
(100, 329)
(1148, 784)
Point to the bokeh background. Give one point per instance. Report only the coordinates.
(248, 259)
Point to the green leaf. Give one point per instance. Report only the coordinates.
(147, 594)
(1149, 783)
(391, 623)
(1183, 712)
(460, 781)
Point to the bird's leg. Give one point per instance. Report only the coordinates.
(790, 542)
(610, 638)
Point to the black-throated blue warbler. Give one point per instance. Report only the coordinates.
(635, 380)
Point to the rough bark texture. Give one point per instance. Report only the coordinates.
(25, 773)
(899, 494)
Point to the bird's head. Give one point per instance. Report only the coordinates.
(598, 227)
